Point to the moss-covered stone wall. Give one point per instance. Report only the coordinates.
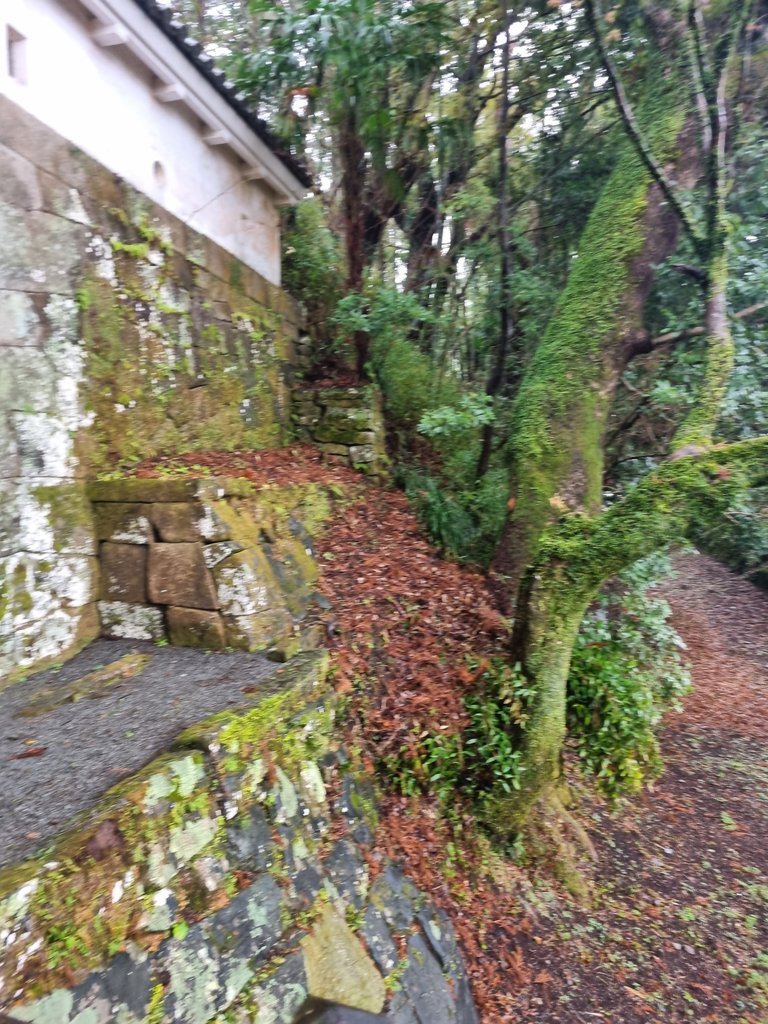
(346, 424)
(210, 563)
(230, 880)
(123, 334)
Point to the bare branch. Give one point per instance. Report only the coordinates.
(701, 75)
(672, 337)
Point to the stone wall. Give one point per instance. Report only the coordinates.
(229, 881)
(209, 563)
(346, 424)
(123, 334)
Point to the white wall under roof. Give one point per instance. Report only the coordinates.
(102, 99)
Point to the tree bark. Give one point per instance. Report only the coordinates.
(560, 412)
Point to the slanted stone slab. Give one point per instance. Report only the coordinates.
(122, 522)
(272, 628)
(124, 572)
(176, 522)
(178, 576)
(338, 967)
(191, 627)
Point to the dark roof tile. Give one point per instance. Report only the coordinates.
(177, 33)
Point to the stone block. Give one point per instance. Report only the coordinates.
(334, 449)
(260, 632)
(125, 523)
(176, 522)
(45, 517)
(123, 621)
(124, 572)
(179, 576)
(18, 181)
(20, 324)
(246, 584)
(362, 453)
(131, 489)
(191, 627)
(342, 426)
(338, 967)
(39, 252)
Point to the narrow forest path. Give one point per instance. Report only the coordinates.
(679, 930)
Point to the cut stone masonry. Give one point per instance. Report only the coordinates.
(207, 563)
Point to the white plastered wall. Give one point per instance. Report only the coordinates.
(102, 99)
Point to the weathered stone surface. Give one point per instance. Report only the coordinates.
(246, 585)
(178, 575)
(362, 453)
(176, 522)
(134, 489)
(20, 324)
(39, 252)
(342, 426)
(123, 523)
(259, 632)
(214, 554)
(20, 182)
(121, 621)
(338, 967)
(250, 870)
(190, 627)
(124, 572)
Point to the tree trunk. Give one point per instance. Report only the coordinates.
(496, 376)
(561, 409)
(576, 557)
(353, 177)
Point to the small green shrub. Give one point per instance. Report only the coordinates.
(480, 759)
(447, 523)
(312, 263)
(627, 670)
(471, 412)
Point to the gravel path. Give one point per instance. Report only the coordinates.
(80, 729)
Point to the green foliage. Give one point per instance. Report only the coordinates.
(472, 412)
(464, 523)
(740, 538)
(405, 375)
(481, 758)
(626, 671)
(312, 261)
(448, 524)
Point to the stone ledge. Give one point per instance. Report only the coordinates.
(129, 490)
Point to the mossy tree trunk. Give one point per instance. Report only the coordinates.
(559, 547)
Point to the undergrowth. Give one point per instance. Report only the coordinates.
(627, 672)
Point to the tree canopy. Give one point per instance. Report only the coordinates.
(538, 228)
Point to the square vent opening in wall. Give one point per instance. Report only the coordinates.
(16, 49)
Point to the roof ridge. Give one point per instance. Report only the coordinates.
(178, 33)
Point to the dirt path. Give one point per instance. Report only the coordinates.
(679, 930)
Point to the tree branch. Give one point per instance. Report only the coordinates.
(635, 133)
(701, 75)
(672, 337)
(662, 508)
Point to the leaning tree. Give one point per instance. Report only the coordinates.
(670, 183)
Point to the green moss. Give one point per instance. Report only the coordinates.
(156, 1010)
(138, 374)
(563, 402)
(136, 250)
(69, 513)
